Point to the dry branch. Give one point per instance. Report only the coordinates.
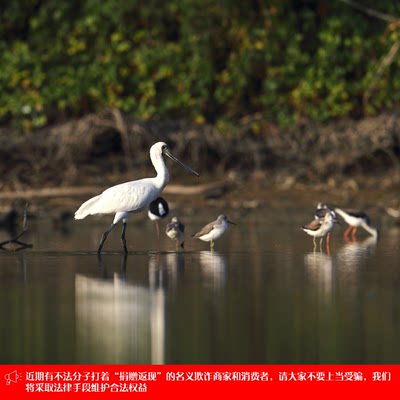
(370, 11)
(202, 189)
(15, 240)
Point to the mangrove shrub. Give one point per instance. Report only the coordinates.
(204, 60)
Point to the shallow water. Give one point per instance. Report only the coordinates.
(262, 296)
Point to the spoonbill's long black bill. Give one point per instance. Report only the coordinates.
(172, 157)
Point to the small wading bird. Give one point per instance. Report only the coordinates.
(321, 211)
(356, 219)
(319, 227)
(158, 209)
(176, 231)
(214, 230)
(131, 197)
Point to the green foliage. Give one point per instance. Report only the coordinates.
(199, 59)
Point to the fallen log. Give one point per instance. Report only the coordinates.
(215, 189)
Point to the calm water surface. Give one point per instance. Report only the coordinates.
(263, 295)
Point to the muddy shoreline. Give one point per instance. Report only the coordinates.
(349, 162)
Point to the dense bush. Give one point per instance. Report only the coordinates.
(206, 60)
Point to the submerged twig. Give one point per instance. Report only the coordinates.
(15, 240)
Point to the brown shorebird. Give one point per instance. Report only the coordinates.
(320, 227)
(176, 231)
(214, 230)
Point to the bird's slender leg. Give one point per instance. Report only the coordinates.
(212, 245)
(123, 239)
(320, 243)
(328, 244)
(104, 237)
(353, 233)
(347, 231)
(315, 245)
(102, 266)
(158, 229)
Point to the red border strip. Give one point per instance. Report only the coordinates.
(183, 381)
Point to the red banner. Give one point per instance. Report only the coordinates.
(181, 381)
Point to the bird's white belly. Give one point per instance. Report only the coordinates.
(215, 234)
(175, 234)
(172, 233)
(325, 228)
(322, 231)
(353, 221)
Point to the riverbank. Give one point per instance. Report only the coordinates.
(355, 163)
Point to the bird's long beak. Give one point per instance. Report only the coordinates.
(231, 222)
(167, 153)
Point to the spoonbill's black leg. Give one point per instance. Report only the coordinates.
(123, 239)
(104, 237)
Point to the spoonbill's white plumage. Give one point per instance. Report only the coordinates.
(131, 197)
(214, 230)
(158, 209)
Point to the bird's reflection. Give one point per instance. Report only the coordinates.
(103, 267)
(320, 270)
(353, 252)
(118, 321)
(156, 271)
(213, 268)
(166, 270)
(175, 266)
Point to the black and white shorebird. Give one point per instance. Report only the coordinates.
(322, 209)
(320, 227)
(320, 212)
(214, 230)
(176, 231)
(356, 219)
(158, 209)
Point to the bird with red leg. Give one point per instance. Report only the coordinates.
(158, 210)
(319, 228)
(356, 219)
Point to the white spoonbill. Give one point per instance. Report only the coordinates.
(131, 197)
